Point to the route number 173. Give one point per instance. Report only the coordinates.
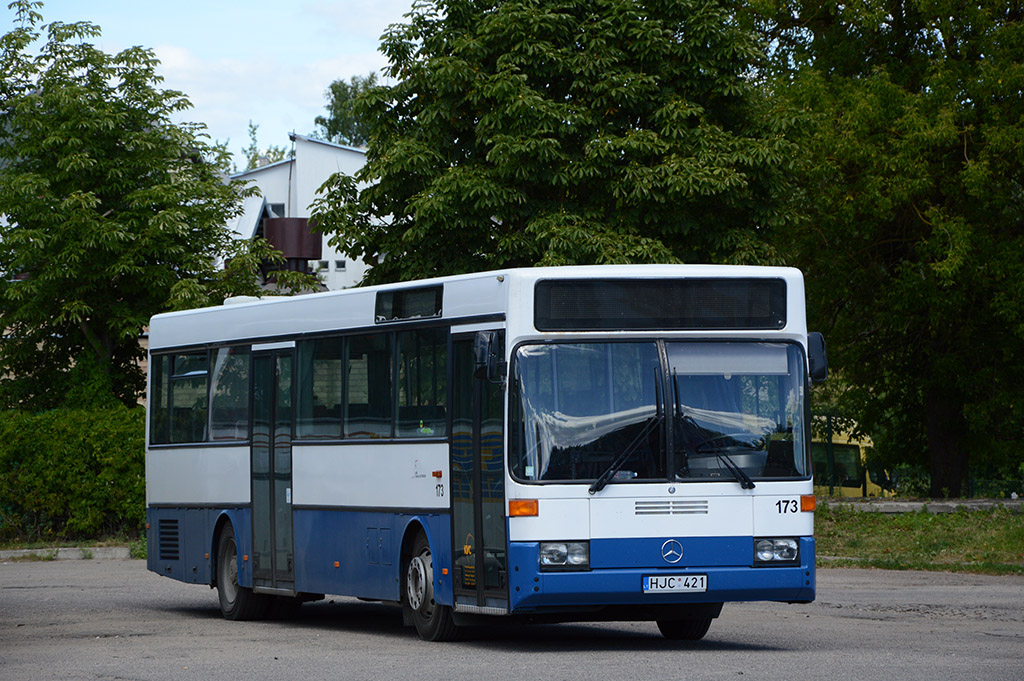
(787, 506)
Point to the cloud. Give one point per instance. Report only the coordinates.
(276, 93)
(268, 61)
(360, 18)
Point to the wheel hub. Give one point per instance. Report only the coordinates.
(229, 575)
(419, 583)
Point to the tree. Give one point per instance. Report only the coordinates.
(531, 132)
(342, 124)
(914, 188)
(253, 154)
(110, 213)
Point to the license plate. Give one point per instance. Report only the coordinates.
(654, 584)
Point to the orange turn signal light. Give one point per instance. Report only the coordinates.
(523, 507)
(808, 502)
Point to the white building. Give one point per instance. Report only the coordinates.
(288, 189)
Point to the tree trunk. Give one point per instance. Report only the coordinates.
(946, 434)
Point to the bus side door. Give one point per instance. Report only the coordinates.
(479, 537)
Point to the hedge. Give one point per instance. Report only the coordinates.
(72, 473)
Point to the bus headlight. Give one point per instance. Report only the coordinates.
(768, 551)
(564, 555)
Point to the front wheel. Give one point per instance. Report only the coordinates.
(236, 602)
(433, 621)
(685, 630)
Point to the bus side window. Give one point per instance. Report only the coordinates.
(319, 395)
(422, 383)
(188, 398)
(368, 386)
(229, 394)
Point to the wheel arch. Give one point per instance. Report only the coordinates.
(413, 529)
(226, 519)
(437, 530)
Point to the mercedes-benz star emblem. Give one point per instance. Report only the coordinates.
(672, 551)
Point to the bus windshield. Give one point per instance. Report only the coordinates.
(635, 411)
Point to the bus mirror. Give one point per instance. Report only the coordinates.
(816, 357)
(487, 355)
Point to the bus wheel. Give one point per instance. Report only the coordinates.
(685, 630)
(433, 621)
(236, 602)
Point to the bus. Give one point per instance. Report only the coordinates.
(590, 443)
(841, 468)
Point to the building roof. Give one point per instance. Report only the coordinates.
(291, 159)
(245, 225)
(253, 171)
(295, 136)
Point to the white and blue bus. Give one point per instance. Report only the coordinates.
(623, 442)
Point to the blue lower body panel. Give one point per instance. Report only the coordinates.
(343, 552)
(534, 591)
(359, 553)
(181, 542)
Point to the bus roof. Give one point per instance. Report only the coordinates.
(469, 297)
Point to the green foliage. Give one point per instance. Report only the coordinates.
(253, 154)
(72, 473)
(913, 180)
(343, 124)
(111, 212)
(911, 482)
(541, 132)
(137, 549)
(965, 541)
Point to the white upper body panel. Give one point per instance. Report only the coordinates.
(506, 293)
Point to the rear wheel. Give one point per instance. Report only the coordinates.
(685, 630)
(433, 621)
(236, 602)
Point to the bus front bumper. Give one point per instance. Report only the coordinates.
(534, 591)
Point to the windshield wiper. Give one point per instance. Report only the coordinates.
(652, 423)
(738, 473)
(610, 472)
(683, 418)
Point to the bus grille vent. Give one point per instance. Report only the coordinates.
(169, 538)
(671, 507)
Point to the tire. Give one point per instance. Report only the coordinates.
(236, 602)
(433, 621)
(685, 630)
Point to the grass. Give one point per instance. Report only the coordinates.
(983, 542)
(47, 550)
(57, 543)
(44, 556)
(137, 548)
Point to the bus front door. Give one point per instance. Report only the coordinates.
(272, 543)
(478, 488)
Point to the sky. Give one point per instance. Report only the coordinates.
(265, 61)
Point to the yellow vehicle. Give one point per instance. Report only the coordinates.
(840, 468)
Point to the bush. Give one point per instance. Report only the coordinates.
(72, 473)
(911, 481)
